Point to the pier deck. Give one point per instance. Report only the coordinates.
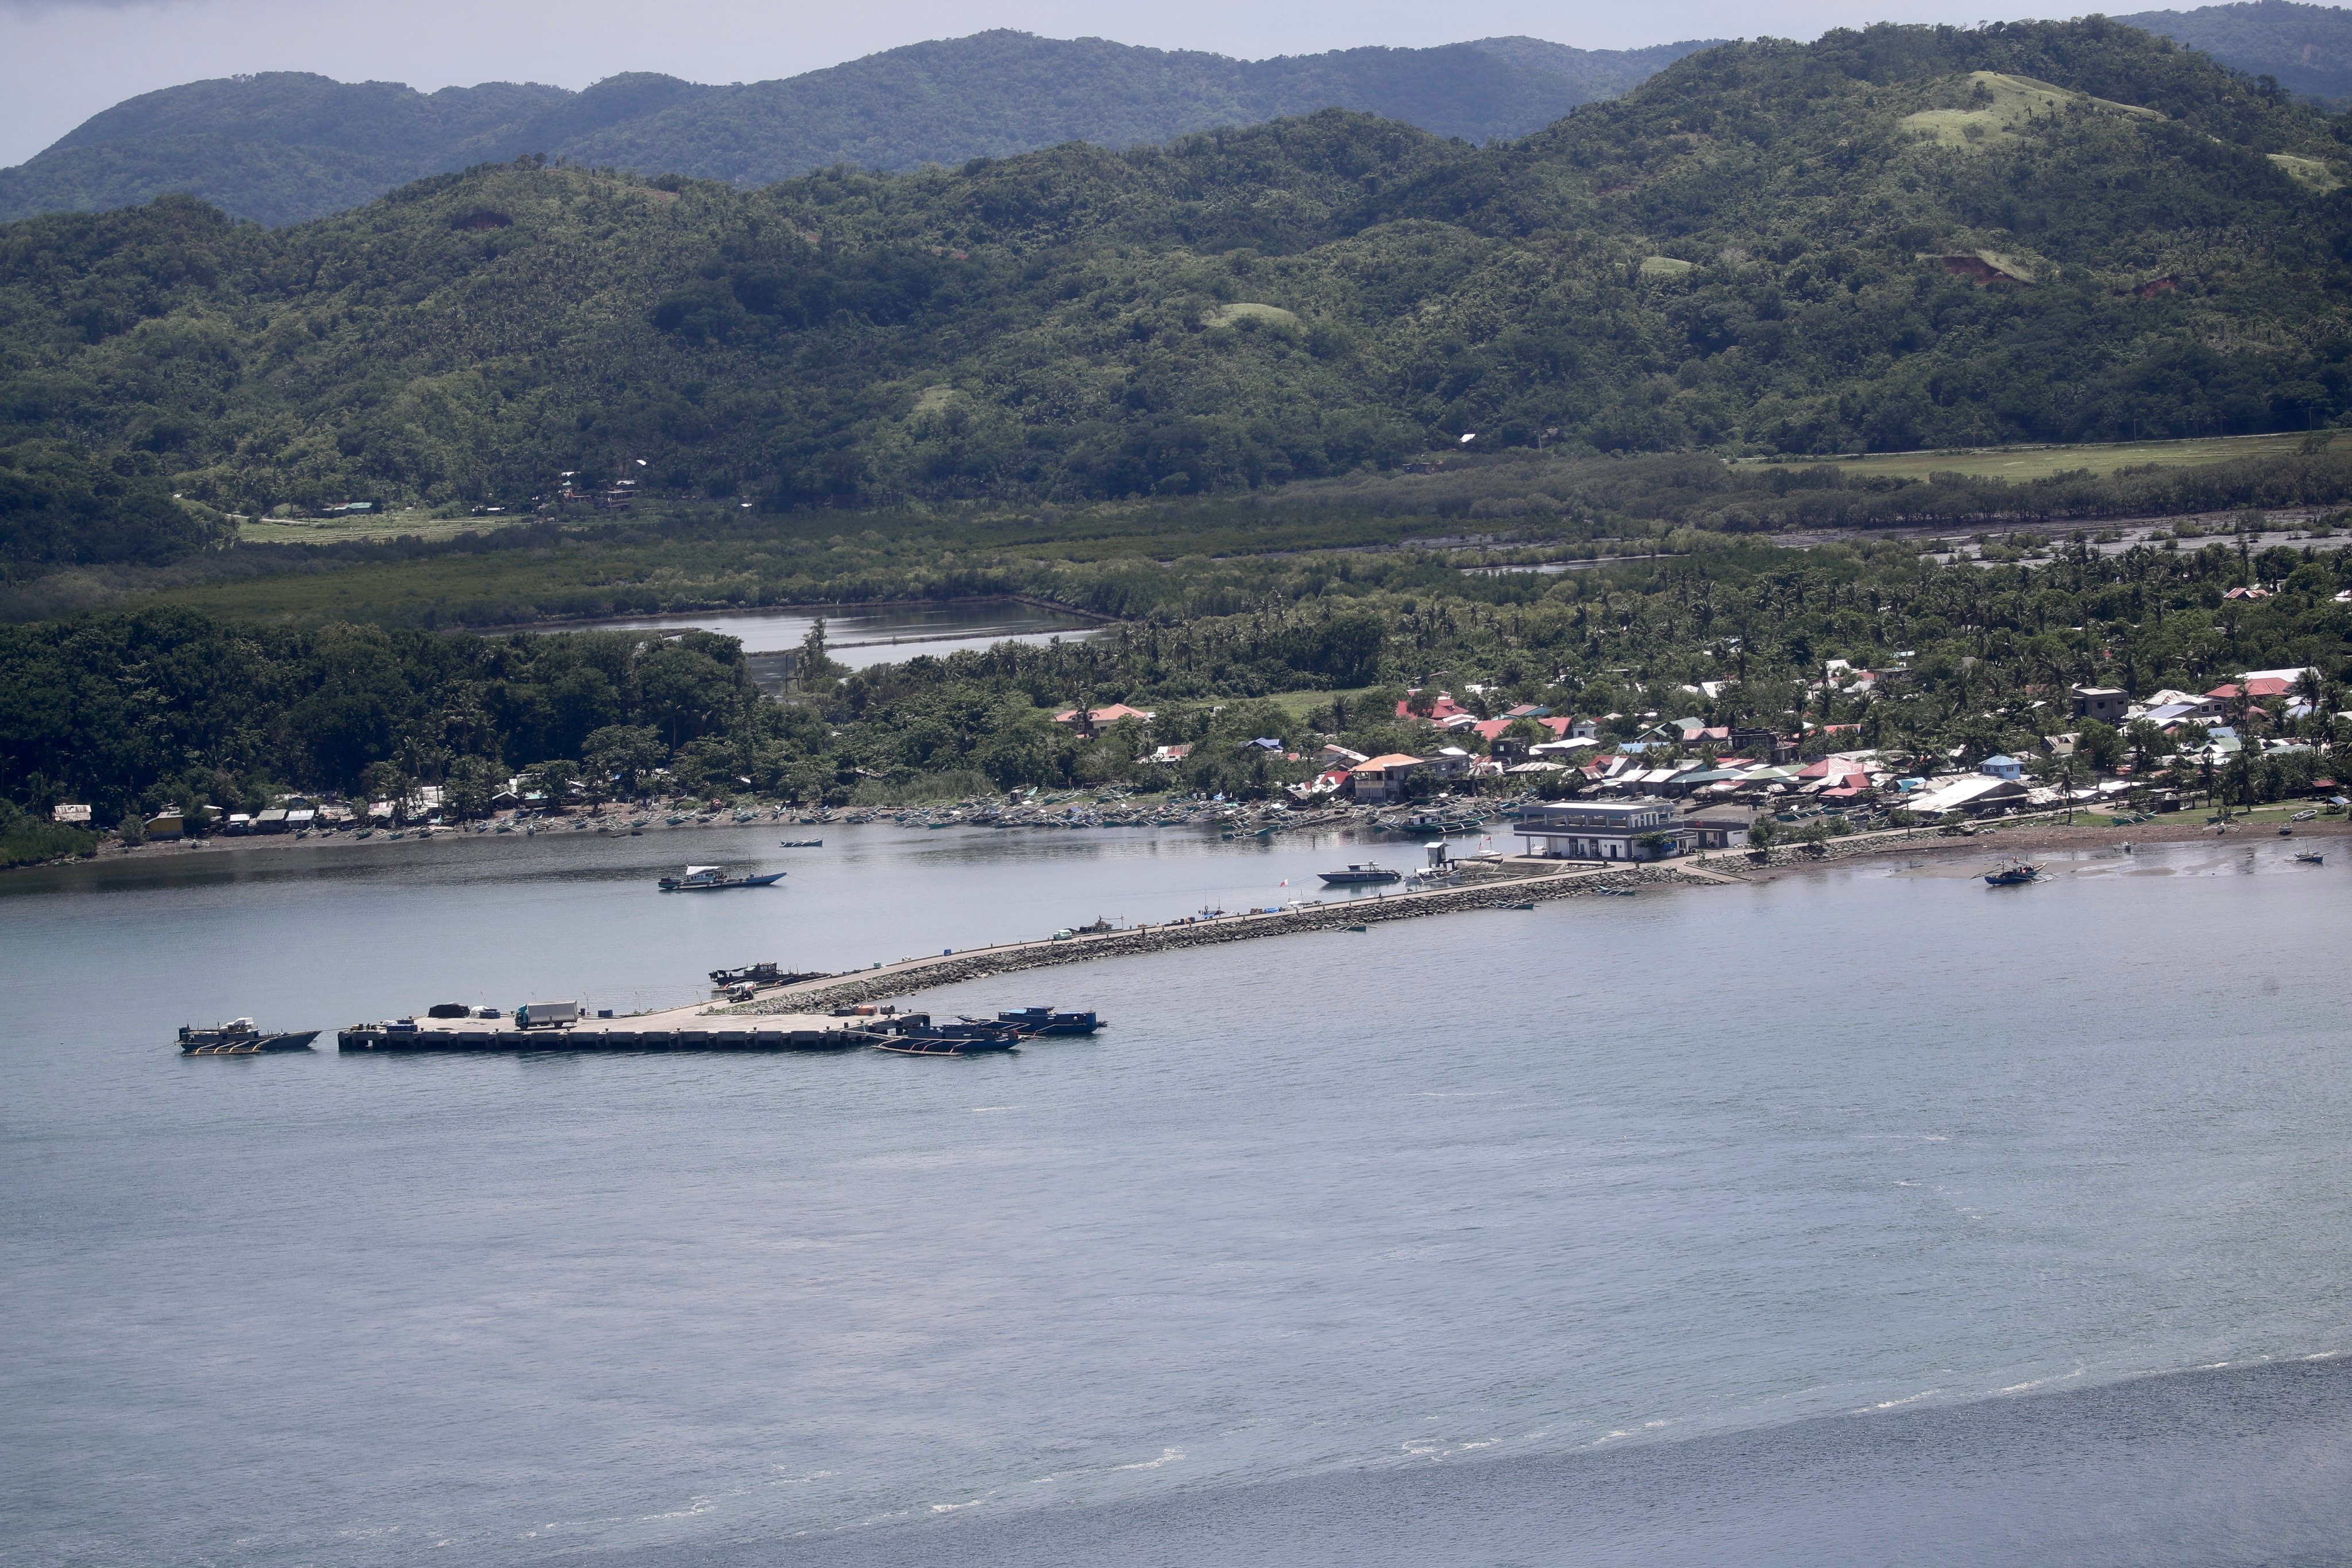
(800, 1017)
(691, 1028)
(1526, 880)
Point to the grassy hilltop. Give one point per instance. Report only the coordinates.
(1891, 239)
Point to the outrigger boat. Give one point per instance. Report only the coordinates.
(762, 975)
(714, 878)
(914, 1035)
(238, 1037)
(2013, 874)
(800, 843)
(919, 1045)
(1034, 1021)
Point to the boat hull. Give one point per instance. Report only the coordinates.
(673, 885)
(249, 1045)
(898, 1046)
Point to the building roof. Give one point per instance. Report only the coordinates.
(1390, 760)
(1951, 795)
(2255, 686)
(1445, 707)
(1110, 715)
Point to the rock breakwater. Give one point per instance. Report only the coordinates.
(1531, 884)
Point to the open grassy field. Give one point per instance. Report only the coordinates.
(406, 524)
(716, 559)
(2041, 462)
(1299, 704)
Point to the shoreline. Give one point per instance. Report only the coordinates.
(2011, 838)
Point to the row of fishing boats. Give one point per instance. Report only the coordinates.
(915, 1035)
(900, 1033)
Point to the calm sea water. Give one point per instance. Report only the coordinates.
(1631, 1203)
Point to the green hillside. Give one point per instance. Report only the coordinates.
(282, 147)
(1888, 240)
(2306, 49)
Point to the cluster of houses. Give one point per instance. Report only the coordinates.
(2201, 727)
(1633, 807)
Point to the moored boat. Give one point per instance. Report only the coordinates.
(914, 1035)
(1363, 874)
(714, 878)
(239, 1038)
(2013, 874)
(1032, 1021)
(800, 843)
(2311, 857)
(936, 1045)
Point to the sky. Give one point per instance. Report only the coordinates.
(61, 61)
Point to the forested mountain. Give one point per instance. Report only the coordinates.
(1895, 238)
(286, 146)
(2305, 49)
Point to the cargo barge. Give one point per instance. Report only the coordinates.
(771, 1035)
(559, 1027)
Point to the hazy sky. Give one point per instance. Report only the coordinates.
(63, 61)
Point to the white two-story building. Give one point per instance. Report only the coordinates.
(1645, 829)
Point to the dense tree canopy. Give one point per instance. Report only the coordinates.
(284, 146)
(1755, 250)
(159, 706)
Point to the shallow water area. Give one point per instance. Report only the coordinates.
(858, 637)
(1606, 1175)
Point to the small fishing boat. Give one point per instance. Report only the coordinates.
(2013, 874)
(800, 843)
(1618, 892)
(714, 878)
(238, 1037)
(762, 975)
(1032, 1021)
(2311, 857)
(914, 1035)
(931, 1046)
(1365, 874)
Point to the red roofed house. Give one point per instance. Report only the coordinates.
(1445, 707)
(2269, 686)
(1383, 778)
(1089, 720)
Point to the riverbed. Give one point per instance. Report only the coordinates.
(1610, 1177)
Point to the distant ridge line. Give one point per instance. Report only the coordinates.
(282, 147)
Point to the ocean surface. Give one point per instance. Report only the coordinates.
(1865, 1215)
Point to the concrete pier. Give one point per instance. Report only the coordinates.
(801, 1016)
(1523, 881)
